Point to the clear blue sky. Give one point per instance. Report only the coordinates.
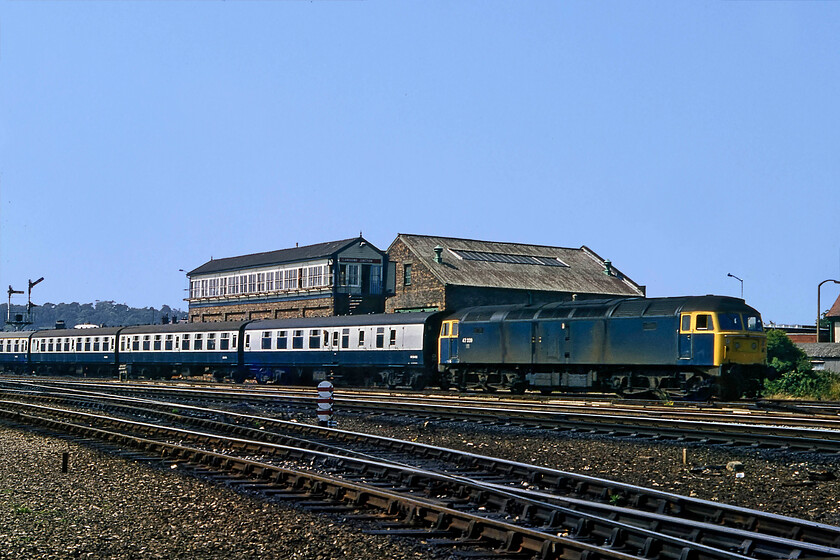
(681, 140)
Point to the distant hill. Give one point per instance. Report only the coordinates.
(106, 313)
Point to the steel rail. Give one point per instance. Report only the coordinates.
(732, 541)
(548, 543)
(513, 410)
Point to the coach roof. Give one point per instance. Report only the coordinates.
(293, 254)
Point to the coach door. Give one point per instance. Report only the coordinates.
(331, 343)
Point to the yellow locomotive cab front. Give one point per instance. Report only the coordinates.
(740, 339)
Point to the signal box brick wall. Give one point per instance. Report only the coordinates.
(320, 307)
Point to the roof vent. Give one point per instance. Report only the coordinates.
(438, 252)
(608, 270)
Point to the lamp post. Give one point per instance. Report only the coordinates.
(739, 280)
(818, 303)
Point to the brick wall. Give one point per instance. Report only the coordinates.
(319, 307)
(424, 291)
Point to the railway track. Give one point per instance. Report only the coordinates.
(729, 425)
(442, 494)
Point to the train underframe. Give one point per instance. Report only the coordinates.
(641, 382)
(389, 377)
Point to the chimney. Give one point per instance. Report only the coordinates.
(438, 251)
(608, 267)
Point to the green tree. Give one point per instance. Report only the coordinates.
(796, 378)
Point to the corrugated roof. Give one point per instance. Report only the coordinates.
(293, 254)
(820, 349)
(469, 262)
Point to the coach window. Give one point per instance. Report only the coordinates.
(380, 337)
(157, 344)
(297, 340)
(326, 339)
(266, 340)
(167, 343)
(17, 345)
(147, 342)
(185, 342)
(282, 340)
(198, 343)
(96, 344)
(314, 338)
(224, 341)
(50, 344)
(361, 338)
(335, 339)
(211, 341)
(345, 338)
(703, 323)
(392, 338)
(135, 343)
(106, 344)
(122, 344)
(87, 344)
(68, 342)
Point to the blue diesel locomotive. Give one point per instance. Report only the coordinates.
(683, 346)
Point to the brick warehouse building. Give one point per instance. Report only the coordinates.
(434, 273)
(333, 278)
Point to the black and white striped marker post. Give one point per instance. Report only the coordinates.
(325, 404)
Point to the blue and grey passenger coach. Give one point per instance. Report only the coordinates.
(182, 349)
(383, 349)
(74, 351)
